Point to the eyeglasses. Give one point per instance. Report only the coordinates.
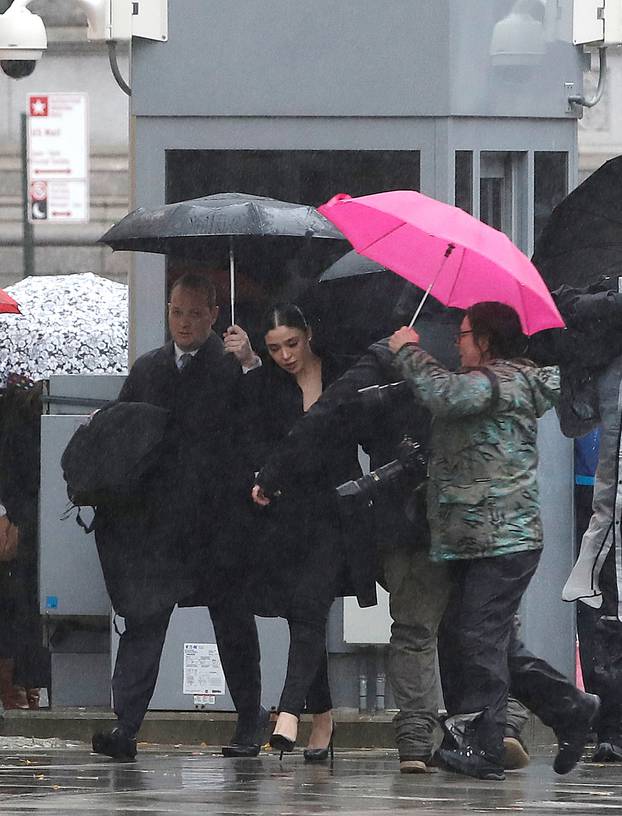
(462, 334)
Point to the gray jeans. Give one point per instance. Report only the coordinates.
(419, 591)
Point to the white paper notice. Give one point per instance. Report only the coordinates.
(203, 672)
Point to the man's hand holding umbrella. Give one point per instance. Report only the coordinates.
(237, 343)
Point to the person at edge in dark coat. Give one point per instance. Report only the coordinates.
(303, 558)
(170, 550)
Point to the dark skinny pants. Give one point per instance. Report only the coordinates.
(487, 659)
(306, 682)
(306, 685)
(138, 661)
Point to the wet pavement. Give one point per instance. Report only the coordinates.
(176, 781)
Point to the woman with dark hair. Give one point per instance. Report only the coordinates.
(302, 558)
(483, 511)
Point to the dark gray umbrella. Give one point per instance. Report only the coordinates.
(350, 265)
(196, 228)
(582, 240)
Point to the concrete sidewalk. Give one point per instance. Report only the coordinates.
(66, 780)
(215, 728)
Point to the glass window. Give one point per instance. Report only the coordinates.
(463, 195)
(495, 191)
(550, 185)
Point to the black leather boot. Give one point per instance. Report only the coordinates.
(472, 756)
(575, 732)
(118, 744)
(247, 742)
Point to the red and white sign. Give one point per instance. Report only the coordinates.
(58, 154)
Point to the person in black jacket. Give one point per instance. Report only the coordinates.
(418, 588)
(303, 557)
(171, 549)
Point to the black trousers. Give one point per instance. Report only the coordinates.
(488, 660)
(306, 685)
(306, 682)
(138, 661)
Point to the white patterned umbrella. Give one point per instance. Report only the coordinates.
(70, 324)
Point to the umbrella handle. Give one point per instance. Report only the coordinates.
(232, 282)
(448, 251)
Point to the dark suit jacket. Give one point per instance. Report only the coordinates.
(164, 550)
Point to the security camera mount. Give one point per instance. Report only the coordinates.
(23, 36)
(596, 24)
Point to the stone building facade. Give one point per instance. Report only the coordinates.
(71, 63)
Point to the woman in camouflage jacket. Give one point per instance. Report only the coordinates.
(484, 517)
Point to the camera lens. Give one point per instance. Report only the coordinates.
(18, 69)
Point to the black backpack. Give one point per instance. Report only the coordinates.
(108, 458)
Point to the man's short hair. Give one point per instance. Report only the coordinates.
(197, 282)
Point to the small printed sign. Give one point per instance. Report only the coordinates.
(203, 673)
(58, 157)
(202, 700)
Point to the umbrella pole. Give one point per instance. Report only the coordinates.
(448, 251)
(232, 282)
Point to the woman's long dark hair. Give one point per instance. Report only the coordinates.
(501, 325)
(284, 314)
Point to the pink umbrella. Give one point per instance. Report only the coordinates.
(446, 251)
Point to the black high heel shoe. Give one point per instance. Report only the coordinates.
(321, 754)
(282, 744)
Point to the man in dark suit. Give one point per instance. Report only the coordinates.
(174, 548)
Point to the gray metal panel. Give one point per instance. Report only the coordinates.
(80, 679)
(548, 624)
(193, 625)
(70, 577)
(353, 58)
(533, 86)
(283, 58)
(93, 386)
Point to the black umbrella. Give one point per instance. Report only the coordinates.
(582, 240)
(196, 228)
(350, 265)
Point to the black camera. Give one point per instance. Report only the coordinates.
(410, 468)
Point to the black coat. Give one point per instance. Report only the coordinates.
(339, 417)
(301, 535)
(166, 549)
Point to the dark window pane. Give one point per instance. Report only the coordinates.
(550, 185)
(464, 180)
(491, 202)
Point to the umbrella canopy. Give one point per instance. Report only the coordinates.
(187, 228)
(350, 265)
(446, 251)
(7, 304)
(70, 324)
(213, 227)
(582, 240)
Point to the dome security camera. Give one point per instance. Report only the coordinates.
(22, 40)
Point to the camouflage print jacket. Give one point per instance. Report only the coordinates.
(482, 490)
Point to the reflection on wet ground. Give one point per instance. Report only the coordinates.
(162, 781)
